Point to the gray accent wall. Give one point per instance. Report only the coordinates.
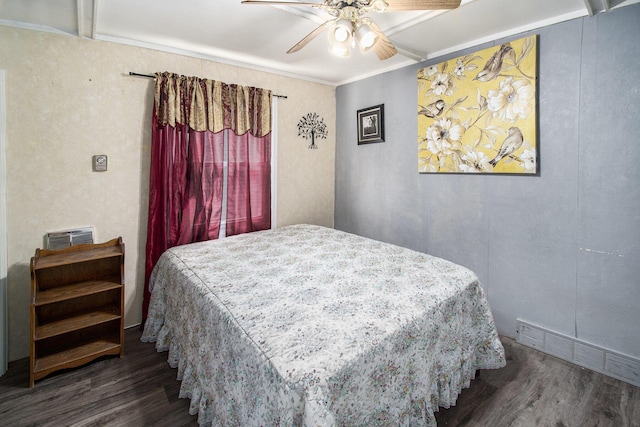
(560, 250)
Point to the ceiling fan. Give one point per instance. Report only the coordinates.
(350, 26)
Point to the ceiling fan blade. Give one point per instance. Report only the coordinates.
(383, 47)
(283, 2)
(302, 43)
(396, 5)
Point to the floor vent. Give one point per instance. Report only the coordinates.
(599, 359)
(64, 239)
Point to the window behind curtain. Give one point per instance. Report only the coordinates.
(250, 176)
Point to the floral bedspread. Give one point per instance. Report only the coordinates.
(311, 326)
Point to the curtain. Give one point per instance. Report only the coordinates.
(248, 185)
(191, 117)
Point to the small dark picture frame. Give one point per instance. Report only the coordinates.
(371, 124)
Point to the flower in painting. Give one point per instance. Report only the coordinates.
(513, 100)
(464, 65)
(428, 163)
(528, 160)
(475, 161)
(444, 136)
(432, 70)
(442, 84)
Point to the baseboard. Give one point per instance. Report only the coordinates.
(587, 355)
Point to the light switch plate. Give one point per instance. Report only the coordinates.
(100, 162)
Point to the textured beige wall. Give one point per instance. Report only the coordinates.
(68, 99)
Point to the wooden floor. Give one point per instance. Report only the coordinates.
(141, 389)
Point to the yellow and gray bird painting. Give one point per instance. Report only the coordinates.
(493, 67)
(477, 113)
(511, 143)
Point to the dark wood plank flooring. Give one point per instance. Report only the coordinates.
(141, 389)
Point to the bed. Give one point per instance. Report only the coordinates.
(311, 326)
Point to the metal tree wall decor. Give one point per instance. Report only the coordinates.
(311, 127)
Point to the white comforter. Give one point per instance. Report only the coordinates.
(310, 326)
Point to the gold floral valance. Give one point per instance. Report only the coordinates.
(210, 105)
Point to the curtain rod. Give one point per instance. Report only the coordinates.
(151, 76)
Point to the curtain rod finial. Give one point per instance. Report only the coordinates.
(149, 76)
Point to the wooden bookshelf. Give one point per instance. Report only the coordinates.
(77, 306)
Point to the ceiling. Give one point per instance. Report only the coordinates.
(258, 36)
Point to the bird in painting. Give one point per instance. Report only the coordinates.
(511, 143)
(432, 110)
(493, 66)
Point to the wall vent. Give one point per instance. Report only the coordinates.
(587, 355)
(64, 239)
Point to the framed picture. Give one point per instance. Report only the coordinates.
(371, 124)
(478, 113)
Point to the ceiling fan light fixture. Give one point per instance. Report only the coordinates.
(341, 51)
(341, 32)
(349, 20)
(366, 37)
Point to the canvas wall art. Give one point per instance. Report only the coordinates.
(477, 113)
